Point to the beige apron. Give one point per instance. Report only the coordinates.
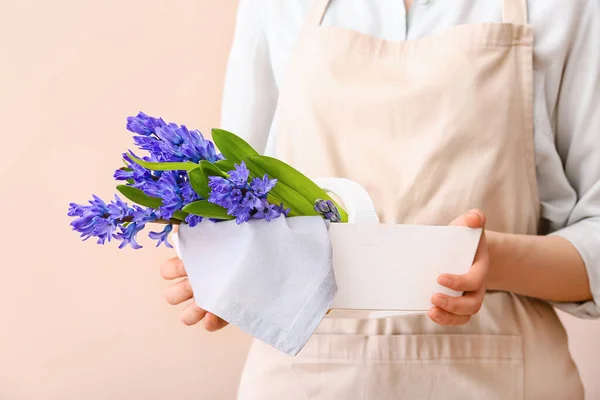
(431, 128)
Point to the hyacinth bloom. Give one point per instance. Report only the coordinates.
(113, 220)
(162, 236)
(244, 200)
(170, 142)
(167, 188)
(143, 124)
(328, 210)
(138, 174)
(270, 211)
(165, 142)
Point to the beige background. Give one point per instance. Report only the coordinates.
(81, 321)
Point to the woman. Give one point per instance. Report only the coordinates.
(441, 109)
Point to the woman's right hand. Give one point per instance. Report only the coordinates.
(181, 291)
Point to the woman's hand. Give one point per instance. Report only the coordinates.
(450, 310)
(181, 291)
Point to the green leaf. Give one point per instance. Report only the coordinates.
(293, 178)
(139, 197)
(164, 166)
(209, 169)
(234, 148)
(292, 199)
(225, 165)
(208, 210)
(273, 199)
(283, 193)
(180, 215)
(199, 182)
(255, 170)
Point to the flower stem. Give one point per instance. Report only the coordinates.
(173, 221)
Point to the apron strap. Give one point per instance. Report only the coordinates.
(317, 12)
(515, 12)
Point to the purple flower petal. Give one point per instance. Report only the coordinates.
(239, 176)
(162, 236)
(261, 187)
(193, 220)
(128, 235)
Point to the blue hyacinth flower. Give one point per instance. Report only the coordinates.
(113, 220)
(162, 236)
(143, 124)
(193, 220)
(239, 176)
(128, 234)
(328, 209)
(169, 142)
(242, 200)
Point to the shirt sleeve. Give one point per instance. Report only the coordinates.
(250, 92)
(578, 144)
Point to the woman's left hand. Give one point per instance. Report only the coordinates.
(450, 310)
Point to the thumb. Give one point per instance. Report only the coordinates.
(473, 219)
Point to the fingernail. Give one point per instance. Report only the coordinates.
(444, 281)
(477, 215)
(437, 316)
(439, 301)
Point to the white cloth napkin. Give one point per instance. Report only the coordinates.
(274, 280)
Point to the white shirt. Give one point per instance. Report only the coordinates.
(566, 79)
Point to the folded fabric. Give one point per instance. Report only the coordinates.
(273, 280)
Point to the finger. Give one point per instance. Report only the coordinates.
(172, 269)
(469, 282)
(213, 323)
(469, 304)
(179, 292)
(475, 278)
(192, 314)
(442, 317)
(473, 219)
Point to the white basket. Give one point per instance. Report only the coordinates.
(386, 270)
